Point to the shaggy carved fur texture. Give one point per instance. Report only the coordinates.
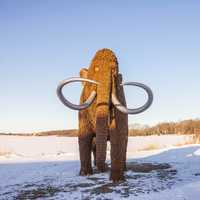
(102, 121)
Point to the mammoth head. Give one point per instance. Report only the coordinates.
(101, 81)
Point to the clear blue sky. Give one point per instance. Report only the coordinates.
(43, 42)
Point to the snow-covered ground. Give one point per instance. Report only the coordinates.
(48, 167)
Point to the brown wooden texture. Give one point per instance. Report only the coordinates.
(102, 120)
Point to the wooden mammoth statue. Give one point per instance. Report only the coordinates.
(103, 114)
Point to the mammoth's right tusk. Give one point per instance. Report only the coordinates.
(141, 109)
(86, 104)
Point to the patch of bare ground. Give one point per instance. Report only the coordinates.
(39, 192)
(146, 167)
(138, 176)
(102, 189)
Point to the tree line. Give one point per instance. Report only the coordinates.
(182, 127)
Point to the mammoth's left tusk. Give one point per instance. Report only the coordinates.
(125, 110)
(86, 104)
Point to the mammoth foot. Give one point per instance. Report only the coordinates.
(102, 167)
(117, 176)
(85, 172)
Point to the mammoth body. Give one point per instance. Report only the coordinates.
(103, 114)
(102, 120)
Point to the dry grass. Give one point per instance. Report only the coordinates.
(150, 147)
(194, 139)
(4, 152)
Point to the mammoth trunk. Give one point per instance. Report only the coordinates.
(102, 118)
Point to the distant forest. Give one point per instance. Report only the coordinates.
(182, 127)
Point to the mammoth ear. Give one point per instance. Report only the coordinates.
(83, 73)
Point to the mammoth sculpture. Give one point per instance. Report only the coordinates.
(103, 114)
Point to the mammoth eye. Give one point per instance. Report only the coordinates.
(96, 69)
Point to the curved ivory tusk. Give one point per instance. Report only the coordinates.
(125, 110)
(86, 104)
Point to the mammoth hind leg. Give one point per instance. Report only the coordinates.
(94, 150)
(124, 152)
(85, 149)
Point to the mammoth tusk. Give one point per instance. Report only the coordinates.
(86, 104)
(125, 110)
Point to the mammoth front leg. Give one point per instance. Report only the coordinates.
(118, 146)
(122, 120)
(118, 135)
(85, 137)
(101, 143)
(85, 149)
